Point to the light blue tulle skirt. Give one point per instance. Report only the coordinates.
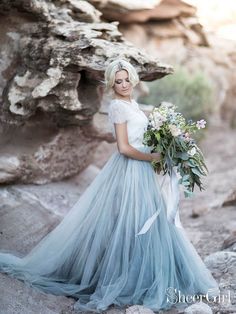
(95, 255)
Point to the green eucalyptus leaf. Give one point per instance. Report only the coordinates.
(158, 136)
(183, 155)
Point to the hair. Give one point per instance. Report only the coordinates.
(118, 65)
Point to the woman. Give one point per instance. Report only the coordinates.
(97, 253)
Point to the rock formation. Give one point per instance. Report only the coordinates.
(172, 32)
(54, 55)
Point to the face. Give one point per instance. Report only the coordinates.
(122, 86)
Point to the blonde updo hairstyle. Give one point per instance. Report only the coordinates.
(118, 65)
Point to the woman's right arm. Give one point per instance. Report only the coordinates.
(126, 149)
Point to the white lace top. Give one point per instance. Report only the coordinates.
(123, 111)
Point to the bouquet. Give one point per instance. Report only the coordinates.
(169, 133)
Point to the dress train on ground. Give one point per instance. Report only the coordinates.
(96, 256)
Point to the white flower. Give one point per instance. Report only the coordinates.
(192, 151)
(201, 124)
(156, 120)
(166, 105)
(157, 124)
(158, 116)
(174, 130)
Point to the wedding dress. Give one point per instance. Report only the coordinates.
(119, 244)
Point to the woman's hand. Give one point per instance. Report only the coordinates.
(155, 157)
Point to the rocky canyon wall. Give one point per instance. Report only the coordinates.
(53, 57)
(172, 32)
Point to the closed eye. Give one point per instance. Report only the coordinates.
(120, 81)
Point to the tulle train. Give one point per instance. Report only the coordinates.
(95, 255)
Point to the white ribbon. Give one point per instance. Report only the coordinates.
(170, 194)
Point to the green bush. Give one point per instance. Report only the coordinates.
(191, 92)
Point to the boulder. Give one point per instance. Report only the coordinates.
(53, 59)
(138, 309)
(141, 12)
(230, 242)
(198, 308)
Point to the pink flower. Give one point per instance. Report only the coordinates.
(201, 124)
(174, 130)
(187, 137)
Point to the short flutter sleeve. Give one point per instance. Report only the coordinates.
(117, 113)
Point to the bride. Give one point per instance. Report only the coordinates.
(97, 253)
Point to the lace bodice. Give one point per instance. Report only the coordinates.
(123, 111)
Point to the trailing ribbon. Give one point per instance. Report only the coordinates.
(171, 198)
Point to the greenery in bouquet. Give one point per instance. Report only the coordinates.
(170, 134)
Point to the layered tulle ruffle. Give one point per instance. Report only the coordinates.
(96, 256)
